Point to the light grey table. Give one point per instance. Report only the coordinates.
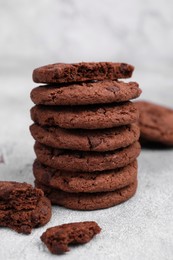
(141, 228)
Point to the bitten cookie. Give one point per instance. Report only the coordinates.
(83, 71)
(86, 117)
(23, 207)
(88, 201)
(86, 140)
(85, 182)
(99, 92)
(58, 238)
(155, 122)
(66, 160)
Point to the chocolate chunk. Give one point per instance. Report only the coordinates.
(113, 89)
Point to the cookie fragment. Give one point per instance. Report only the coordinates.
(18, 196)
(83, 71)
(23, 221)
(23, 207)
(58, 238)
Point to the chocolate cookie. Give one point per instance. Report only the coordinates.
(23, 207)
(23, 221)
(99, 92)
(58, 238)
(86, 117)
(88, 201)
(66, 160)
(86, 140)
(83, 71)
(156, 122)
(18, 196)
(85, 182)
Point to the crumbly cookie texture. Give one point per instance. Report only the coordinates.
(23, 207)
(83, 71)
(58, 238)
(18, 196)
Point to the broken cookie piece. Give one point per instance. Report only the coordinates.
(58, 238)
(19, 196)
(23, 207)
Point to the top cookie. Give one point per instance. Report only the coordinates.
(99, 92)
(83, 71)
(156, 122)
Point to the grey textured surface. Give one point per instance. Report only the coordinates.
(35, 33)
(141, 228)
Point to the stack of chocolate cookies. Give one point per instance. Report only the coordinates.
(86, 134)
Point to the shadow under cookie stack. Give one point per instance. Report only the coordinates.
(86, 134)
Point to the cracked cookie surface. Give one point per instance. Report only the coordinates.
(100, 92)
(85, 182)
(83, 71)
(88, 201)
(86, 140)
(66, 160)
(86, 117)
